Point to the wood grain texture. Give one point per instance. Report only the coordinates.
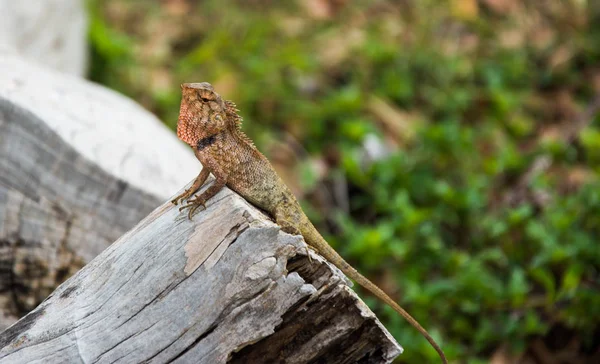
(225, 286)
(58, 210)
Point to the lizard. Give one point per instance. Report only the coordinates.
(211, 125)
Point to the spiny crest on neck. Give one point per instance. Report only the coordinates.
(235, 120)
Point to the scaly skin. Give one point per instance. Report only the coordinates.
(211, 126)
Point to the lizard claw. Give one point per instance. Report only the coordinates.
(308, 250)
(194, 208)
(186, 194)
(193, 205)
(308, 254)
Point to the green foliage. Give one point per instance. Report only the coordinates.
(496, 274)
(432, 222)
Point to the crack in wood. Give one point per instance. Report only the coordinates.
(209, 331)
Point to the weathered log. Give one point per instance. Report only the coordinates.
(79, 166)
(226, 286)
(57, 210)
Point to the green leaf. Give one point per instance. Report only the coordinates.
(545, 278)
(570, 281)
(517, 287)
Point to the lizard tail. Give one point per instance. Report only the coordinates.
(316, 241)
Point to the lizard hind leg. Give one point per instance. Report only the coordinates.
(288, 227)
(286, 218)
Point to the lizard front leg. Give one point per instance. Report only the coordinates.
(198, 182)
(201, 199)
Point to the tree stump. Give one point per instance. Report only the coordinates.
(226, 286)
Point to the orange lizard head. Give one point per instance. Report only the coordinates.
(203, 113)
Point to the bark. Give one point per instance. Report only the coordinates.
(227, 285)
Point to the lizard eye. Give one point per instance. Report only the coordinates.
(204, 99)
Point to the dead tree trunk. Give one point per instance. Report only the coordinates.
(226, 286)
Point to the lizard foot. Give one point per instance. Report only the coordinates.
(184, 196)
(308, 249)
(193, 205)
(308, 254)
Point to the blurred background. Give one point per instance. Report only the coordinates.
(449, 150)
